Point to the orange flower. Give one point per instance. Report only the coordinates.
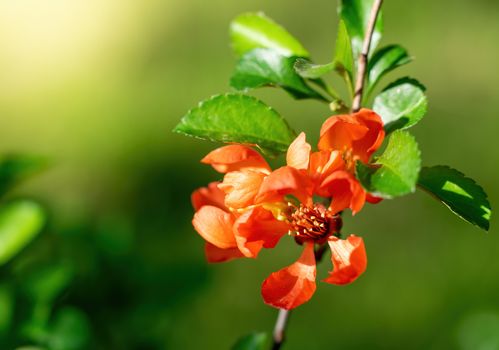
(308, 174)
(224, 211)
(294, 285)
(356, 137)
(253, 207)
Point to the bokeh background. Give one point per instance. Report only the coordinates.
(96, 87)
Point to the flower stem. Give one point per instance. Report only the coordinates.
(362, 66)
(319, 253)
(280, 328)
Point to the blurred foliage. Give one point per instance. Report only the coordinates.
(14, 168)
(96, 86)
(254, 341)
(93, 282)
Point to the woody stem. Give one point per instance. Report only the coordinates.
(280, 328)
(362, 66)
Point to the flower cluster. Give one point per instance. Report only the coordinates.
(253, 207)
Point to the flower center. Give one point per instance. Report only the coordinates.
(314, 223)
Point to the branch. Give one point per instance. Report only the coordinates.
(362, 66)
(280, 328)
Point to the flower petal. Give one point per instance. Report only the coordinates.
(366, 146)
(215, 226)
(361, 132)
(345, 190)
(293, 285)
(257, 228)
(285, 181)
(241, 187)
(373, 199)
(235, 157)
(349, 259)
(217, 255)
(338, 132)
(299, 153)
(323, 164)
(210, 195)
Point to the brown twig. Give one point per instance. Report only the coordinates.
(362, 66)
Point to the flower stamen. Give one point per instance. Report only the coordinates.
(312, 223)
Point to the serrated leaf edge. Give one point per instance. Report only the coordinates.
(424, 99)
(178, 128)
(413, 188)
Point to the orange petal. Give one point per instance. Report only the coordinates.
(235, 157)
(361, 132)
(285, 181)
(338, 132)
(217, 255)
(373, 199)
(323, 164)
(365, 147)
(241, 187)
(349, 259)
(215, 226)
(210, 195)
(257, 228)
(299, 153)
(345, 190)
(293, 285)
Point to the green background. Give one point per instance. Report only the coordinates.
(97, 85)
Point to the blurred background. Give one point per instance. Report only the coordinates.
(96, 86)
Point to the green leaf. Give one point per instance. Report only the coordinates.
(254, 341)
(395, 172)
(45, 283)
(402, 104)
(255, 30)
(343, 59)
(20, 222)
(70, 330)
(355, 14)
(34, 327)
(385, 60)
(266, 67)
(462, 195)
(15, 168)
(238, 118)
(7, 306)
(307, 69)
